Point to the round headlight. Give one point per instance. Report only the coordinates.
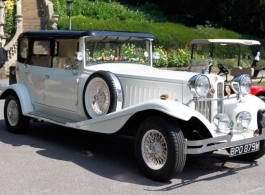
(242, 84)
(200, 84)
(243, 119)
(245, 85)
(222, 122)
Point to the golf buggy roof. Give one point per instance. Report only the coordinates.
(226, 41)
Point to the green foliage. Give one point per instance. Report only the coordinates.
(10, 23)
(178, 57)
(152, 12)
(59, 7)
(167, 34)
(163, 60)
(101, 10)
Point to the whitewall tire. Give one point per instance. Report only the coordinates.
(102, 94)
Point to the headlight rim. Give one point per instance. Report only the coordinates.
(219, 120)
(193, 85)
(237, 81)
(239, 121)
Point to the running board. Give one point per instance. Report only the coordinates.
(49, 118)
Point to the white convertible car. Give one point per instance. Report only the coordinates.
(103, 81)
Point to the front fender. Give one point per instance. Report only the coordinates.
(112, 122)
(248, 103)
(21, 91)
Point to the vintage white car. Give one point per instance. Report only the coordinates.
(103, 81)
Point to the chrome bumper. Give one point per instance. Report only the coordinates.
(218, 143)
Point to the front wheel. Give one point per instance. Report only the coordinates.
(160, 148)
(15, 121)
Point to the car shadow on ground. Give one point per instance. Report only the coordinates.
(112, 156)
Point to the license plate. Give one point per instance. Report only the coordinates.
(244, 149)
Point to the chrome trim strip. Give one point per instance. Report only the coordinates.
(226, 143)
(119, 91)
(220, 94)
(215, 99)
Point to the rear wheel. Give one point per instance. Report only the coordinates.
(15, 121)
(159, 147)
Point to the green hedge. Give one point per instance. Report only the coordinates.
(167, 34)
(147, 12)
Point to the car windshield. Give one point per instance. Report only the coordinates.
(199, 65)
(112, 49)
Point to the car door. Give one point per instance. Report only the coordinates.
(35, 82)
(61, 82)
(61, 89)
(35, 68)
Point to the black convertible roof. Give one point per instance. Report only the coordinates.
(80, 33)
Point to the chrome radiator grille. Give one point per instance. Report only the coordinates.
(205, 107)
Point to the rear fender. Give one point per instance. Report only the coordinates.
(21, 91)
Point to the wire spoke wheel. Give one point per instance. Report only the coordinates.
(12, 113)
(15, 121)
(160, 148)
(102, 94)
(99, 96)
(154, 149)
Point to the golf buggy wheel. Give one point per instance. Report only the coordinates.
(256, 155)
(102, 94)
(15, 121)
(160, 148)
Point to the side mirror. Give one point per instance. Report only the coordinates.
(78, 56)
(208, 69)
(156, 55)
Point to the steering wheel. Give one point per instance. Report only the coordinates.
(222, 69)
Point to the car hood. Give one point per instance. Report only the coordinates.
(139, 71)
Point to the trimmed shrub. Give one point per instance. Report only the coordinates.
(10, 22)
(100, 10)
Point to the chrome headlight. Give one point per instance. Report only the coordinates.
(243, 119)
(222, 122)
(241, 84)
(199, 85)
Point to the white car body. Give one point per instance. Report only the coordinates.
(60, 96)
